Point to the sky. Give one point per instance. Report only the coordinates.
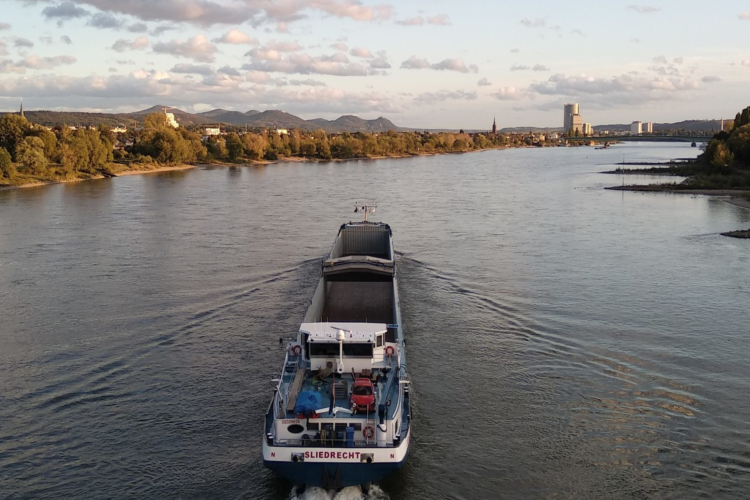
(419, 63)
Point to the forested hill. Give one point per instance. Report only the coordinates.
(251, 119)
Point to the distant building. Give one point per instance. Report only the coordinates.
(119, 129)
(213, 131)
(572, 118)
(282, 131)
(22, 115)
(648, 127)
(494, 127)
(588, 129)
(636, 128)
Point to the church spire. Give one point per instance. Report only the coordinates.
(494, 125)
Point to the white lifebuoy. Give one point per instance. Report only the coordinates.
(390, 351)
(297, 350)
(368, 432)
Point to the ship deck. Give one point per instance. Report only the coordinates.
(311, 382)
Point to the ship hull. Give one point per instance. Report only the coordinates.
(335, 474)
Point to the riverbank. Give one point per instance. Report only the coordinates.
(116, 170)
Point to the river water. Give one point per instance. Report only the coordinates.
(564, 341)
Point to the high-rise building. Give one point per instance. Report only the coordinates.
(569, 111)
(648, 127)
(588, 129)
(636, 128)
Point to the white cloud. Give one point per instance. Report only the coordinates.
(618, 89)
(644, 9)
(197, 48)
(122, 45)
(66, 39)
(236, 37)
(509, 94)
(577, 32)
(745, 62)
(413, 21)
(745, 16)
(34, 62)
(340, 46)
(415, 63)
(138, 28)
(4, 26)
(484, 82)
(711, 79)
(361, 52)
(439, 20)
(444, 95)
(660, 60)
(308, 83)
(336, 65)
(678, 60)
(198, 69)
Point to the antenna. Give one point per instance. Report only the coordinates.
(367, 208)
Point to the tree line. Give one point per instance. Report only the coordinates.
(31, 151)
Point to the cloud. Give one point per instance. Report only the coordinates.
(509, 94)
(540, 67)
(536, 23)
(105, 21)
(439, 20)
(577, 32)
(446, 64)
(138, 28)
(64, 11)
(361, 52)
(340, 46)
(455, 65)
(66, 39)
(283, 46)
(622, 89)
(34, 62)
(336, 65)
(380, 62)
(162, 28)
(282, 27)
(711, 79)
(484, 82)
(47, 40)
(197, 48)
(660, 60)
(122, 45)
(412, 21)
(236, 37)
(644, 9)
(4, 26)
(198, 69)
(745, 16)
(308, 82)
(519, 67)
(415, 63)
(745, 62)
(515, 51)
(23, 43)
(444, 95)
(678, 60)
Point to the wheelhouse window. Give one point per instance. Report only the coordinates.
(326, 350)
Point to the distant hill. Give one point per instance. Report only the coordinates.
(252, 119)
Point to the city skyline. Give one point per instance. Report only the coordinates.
(419, 64)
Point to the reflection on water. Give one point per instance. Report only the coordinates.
(564, 340)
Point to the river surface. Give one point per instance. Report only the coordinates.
(564, 341)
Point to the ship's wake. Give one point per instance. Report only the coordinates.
(350, 493)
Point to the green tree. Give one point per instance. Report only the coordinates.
(13, 128)
(234, 146)
(7, 169)
(745, 117)
(738, 120)
(30, 153)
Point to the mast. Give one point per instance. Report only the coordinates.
(367, 208)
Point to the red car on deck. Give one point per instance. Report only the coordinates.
(363, 396)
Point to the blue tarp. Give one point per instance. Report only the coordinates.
(307, 402)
